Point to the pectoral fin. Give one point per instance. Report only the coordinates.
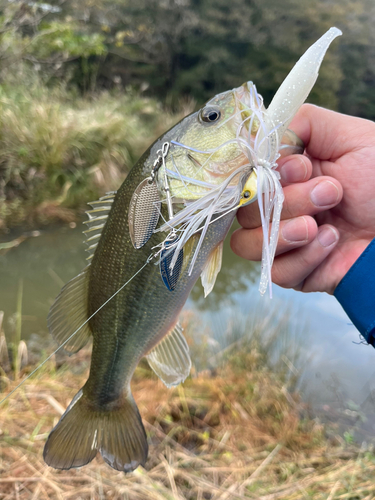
(189, 248)
(212, 268)
(170, 359)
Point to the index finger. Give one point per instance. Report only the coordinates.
(329, 135)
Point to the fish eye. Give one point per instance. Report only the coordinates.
(247, 194)
(210, 115)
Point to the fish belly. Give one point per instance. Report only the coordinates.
(136, 319)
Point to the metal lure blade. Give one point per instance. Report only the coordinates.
(170, 277)
(143, 212)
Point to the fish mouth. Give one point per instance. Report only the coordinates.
(249, 107)
(252, 111)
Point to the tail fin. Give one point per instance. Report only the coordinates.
(118, 434)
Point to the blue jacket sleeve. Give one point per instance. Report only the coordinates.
(356, 293)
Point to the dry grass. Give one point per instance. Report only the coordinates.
(231, 435)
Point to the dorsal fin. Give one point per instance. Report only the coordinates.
(69, 312)
(212, 268)
(97, 219)
(170, 359)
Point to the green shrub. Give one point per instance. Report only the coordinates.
(59, 151)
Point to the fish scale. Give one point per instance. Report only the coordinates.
(137, 304)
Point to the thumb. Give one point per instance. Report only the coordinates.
(328, 135)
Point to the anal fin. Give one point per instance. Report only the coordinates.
(212, 268)
(69, 312)
(170, 359)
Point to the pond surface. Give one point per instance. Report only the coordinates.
(338, 371)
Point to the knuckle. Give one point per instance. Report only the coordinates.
(287, 212)
(247, 243)
(305, 261)
(247, 217)
(281, 276)
(300, 286)
(234, 242)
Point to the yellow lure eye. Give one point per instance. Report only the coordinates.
(249, 192)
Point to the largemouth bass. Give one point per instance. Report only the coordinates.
(194, 177)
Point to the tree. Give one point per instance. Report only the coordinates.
(33, 33)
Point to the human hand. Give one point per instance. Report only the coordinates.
(328, 217)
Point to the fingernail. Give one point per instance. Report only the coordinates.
(293, 170)
(327, 236)
(295, 230)
(324, 194)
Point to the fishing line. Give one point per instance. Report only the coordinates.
(78, 329)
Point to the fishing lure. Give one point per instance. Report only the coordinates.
(144, 208)
(260, 135)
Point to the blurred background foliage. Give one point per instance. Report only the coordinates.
(195, 48)
(86, 85)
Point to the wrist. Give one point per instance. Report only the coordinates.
(356, 293)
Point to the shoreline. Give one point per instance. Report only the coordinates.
(223, 435)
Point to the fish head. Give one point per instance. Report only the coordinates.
(215, 141)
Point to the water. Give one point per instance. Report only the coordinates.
(338, 373)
